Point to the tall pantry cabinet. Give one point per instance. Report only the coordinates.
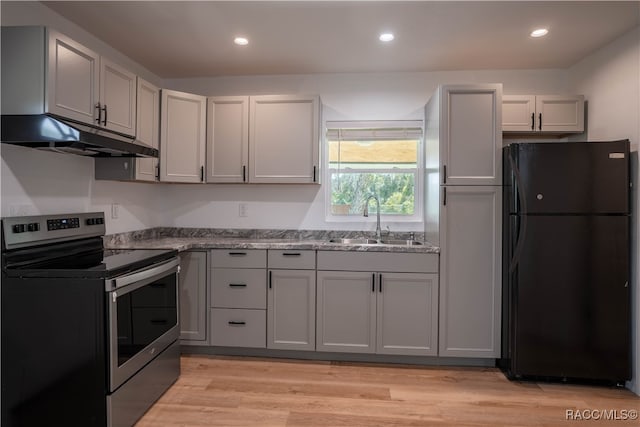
(463, 132)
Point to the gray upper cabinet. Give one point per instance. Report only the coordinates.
(182, 137)
(118, 88)
(470, 272)
(148, 128)
(73, 79)
(45, 71)
(543, 113)
(227, 139)
(193, 298)
(263, 139)
(284, 139)
(465, 122)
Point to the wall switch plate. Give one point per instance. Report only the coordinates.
(243, 210)
(115, 211)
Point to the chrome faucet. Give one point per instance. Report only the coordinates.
(366, 214)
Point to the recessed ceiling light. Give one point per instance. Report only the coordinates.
(539, 32)
(242, 41)
(386, 37)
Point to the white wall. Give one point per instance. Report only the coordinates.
(610, 81)
(38, 182)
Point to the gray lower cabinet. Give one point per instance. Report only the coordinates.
(291, 310)
(346, 312)
(291, 300)
(238, 298)
(385, 313)
(407, 314)
(238, 327)
(470, 272)
(193, 298)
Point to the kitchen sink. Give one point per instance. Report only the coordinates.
(354, 241)
(375, 242)
(401, 242)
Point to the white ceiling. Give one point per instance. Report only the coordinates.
(195, 39)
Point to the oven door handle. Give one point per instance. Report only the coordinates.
(143, 277)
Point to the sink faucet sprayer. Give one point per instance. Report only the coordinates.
(366, 213)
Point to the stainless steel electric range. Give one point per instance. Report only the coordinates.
(89, 336)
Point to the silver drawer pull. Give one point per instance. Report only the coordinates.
(237, 285)
(291, 254)
(232, 323)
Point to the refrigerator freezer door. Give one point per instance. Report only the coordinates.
(570, 298)
(568, 178)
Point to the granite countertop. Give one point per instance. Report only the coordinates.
(184, 243)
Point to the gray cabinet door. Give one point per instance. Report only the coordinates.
(470, 272)
(407, 314)
(284, 139)
(227, 139)
(118, 88)
(72, 79)
(471, 134)
(291, 310)
(193, 299)
(147, 128)
(346, 317)
(182, 136)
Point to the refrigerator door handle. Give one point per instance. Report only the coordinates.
(519, 228)
(522, 219)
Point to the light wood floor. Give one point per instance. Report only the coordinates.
(231, 391)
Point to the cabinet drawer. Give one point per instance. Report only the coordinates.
(238, 288)
(239, 258)
(378, 261)
(238, 327)
(293, 259)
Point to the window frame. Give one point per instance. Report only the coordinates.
(418, 171)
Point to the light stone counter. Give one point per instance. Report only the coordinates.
(186, 239)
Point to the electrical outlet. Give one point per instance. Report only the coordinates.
(243, 210)
(115, 211)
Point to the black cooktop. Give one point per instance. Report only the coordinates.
(100, 264)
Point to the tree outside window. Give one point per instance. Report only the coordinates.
(360, 167)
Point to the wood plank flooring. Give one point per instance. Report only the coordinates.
(236, 391)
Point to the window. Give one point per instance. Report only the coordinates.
(382, 159)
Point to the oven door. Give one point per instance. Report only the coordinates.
(143, 318)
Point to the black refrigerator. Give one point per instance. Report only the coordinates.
(566, 230)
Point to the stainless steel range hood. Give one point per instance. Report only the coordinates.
(52, 133)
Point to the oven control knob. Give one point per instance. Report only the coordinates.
(91, 221)
(99, 220)
(18, 228)
(34, 226)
